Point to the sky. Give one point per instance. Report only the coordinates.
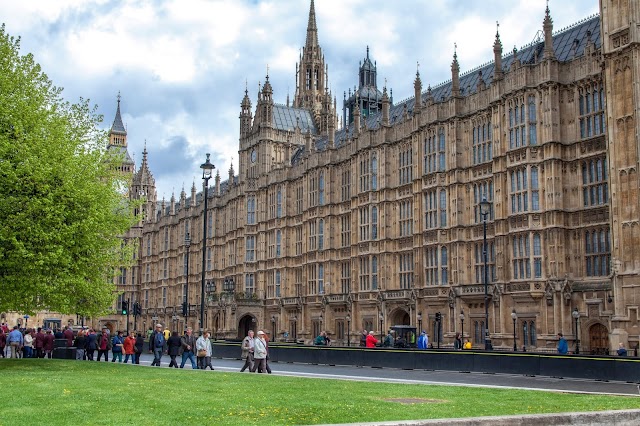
(181, 66)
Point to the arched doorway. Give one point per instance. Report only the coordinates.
(110, 326)
(399, 317)
(599, 339)
(246, 323)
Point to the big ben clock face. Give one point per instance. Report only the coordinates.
(254, 156)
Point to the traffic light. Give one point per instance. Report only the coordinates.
(125, 307)
(438, 316)
(136, 309)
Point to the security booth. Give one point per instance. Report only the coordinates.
(404, 336)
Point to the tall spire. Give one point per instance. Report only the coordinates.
(117, 126)
(547, 26)
(312, 27)
(497, 54)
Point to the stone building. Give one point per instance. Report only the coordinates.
(377, 221)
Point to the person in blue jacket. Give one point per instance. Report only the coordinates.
(563, 348)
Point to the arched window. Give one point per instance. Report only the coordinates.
(374, 223)
(444, 265)
(374, 273)
(321, 234)
(443, 208)
(321, 189)
(441, 150)
(374, 173)
(279, 203)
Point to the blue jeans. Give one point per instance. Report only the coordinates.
(189, 355)
(28, 351)
(157, 356)
(133, 358)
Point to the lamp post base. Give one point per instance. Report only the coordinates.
(487, 345)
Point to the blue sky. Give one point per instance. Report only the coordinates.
(181, 65)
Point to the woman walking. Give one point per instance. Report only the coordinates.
(260, 353)
(139, 347)
(203, 346)
(129, 348)
(80, 344)
(173, 348)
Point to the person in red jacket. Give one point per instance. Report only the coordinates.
(371, 340)
(48, 344)
(39, 343)
(68, 334)
(129, 348)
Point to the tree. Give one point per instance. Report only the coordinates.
(61, 212)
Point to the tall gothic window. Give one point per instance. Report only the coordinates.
(430, 150)
(533, 128)
(374, 272)
(368, 223)
(277, 279)
(479, 262)
(482, 190)
(517, 123)
(346, 185)
(595, 189)
(249, 285)
(406, 218)
(435, 209)
(591, 110)
(345, 230)
(251, 210)
(482, 147)
(521, 258)
(321, 189)
(313, 190)
(524, 190)
(443, 208)
(597, 252)
(345, 276)
(251, 248)
(406, 270)
(299, 199)
(374, 173)
(313, 235)
(436, 265)
(320, 234)
(441, 150)
(279, 203)
(278, 243)
(405, 165)
(365, 173)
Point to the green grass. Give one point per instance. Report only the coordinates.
(58, 392)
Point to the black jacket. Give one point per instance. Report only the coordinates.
(173, 345)
(139, 344)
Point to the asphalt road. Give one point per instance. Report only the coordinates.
(392, 375)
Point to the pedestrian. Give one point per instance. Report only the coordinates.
(371, 340)
(363, 338)
(48, 344)
(266, 360)
(563, 347)
(157, 345)
(423, 340)
(39, 343)
(467, 344)
(388, 340)
(457, 342)
(104, 345)
(622, 351)
(27, 349)
(68, 334)
(3, 342)
(139, 347)
(91, 344)
(173, 348)
(129, 347)
(247, 351)
(204, 351)
(80, 343)
(259, 353)
(188, 349)
(321, 340)
(15, 341)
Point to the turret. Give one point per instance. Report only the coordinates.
(385, 107)
(245, 114)
(417, 88)
(193, 194)
(217, 183)
(455, 75)
(548, 36)
(356, 118)
(183, 198)
(172, 205)
(497, 57)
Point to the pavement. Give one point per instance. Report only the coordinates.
(449, 378)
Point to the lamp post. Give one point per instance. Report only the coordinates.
(576, 315)
(381, 317)
(321, 320)
(185, 302)
(207, 172)
(419, 322)
(348, 318)
(273, 328)
(514, 317)
(485, 208)
(462, 322)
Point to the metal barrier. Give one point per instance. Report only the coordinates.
(626, 369)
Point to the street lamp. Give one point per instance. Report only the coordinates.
(185, 302)
(462, 322)
(207, 172)
(576, 315)
(321, 319)
(348, 318)
(381, 317)
(514, 317)
(419, 322)
(485, 208)
(273, 327)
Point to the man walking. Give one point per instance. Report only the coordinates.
(247, 351)
(157, 339)
(15, 341)
(39, 343)
(563, 347)
(188, 342)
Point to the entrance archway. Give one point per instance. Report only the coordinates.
(399, 317)
(599, 339)
(246, 323)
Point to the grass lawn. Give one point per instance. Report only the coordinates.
(63, 392)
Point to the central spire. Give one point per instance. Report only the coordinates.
(312, 27)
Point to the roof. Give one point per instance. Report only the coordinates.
(287, 118)
(117, 126)
(121, 150)
(568, 44)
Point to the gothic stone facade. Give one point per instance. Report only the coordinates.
(376, 222)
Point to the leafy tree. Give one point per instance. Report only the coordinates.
(61, 212)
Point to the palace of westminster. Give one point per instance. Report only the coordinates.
(376, 215)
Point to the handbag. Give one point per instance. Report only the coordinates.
(202, 353)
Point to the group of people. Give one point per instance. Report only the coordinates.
(197, 350)
(27, 343)
(255, 352)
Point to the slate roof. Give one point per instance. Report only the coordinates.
(286, 118)
(568, 43)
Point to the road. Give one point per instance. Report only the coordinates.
(392, 375)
